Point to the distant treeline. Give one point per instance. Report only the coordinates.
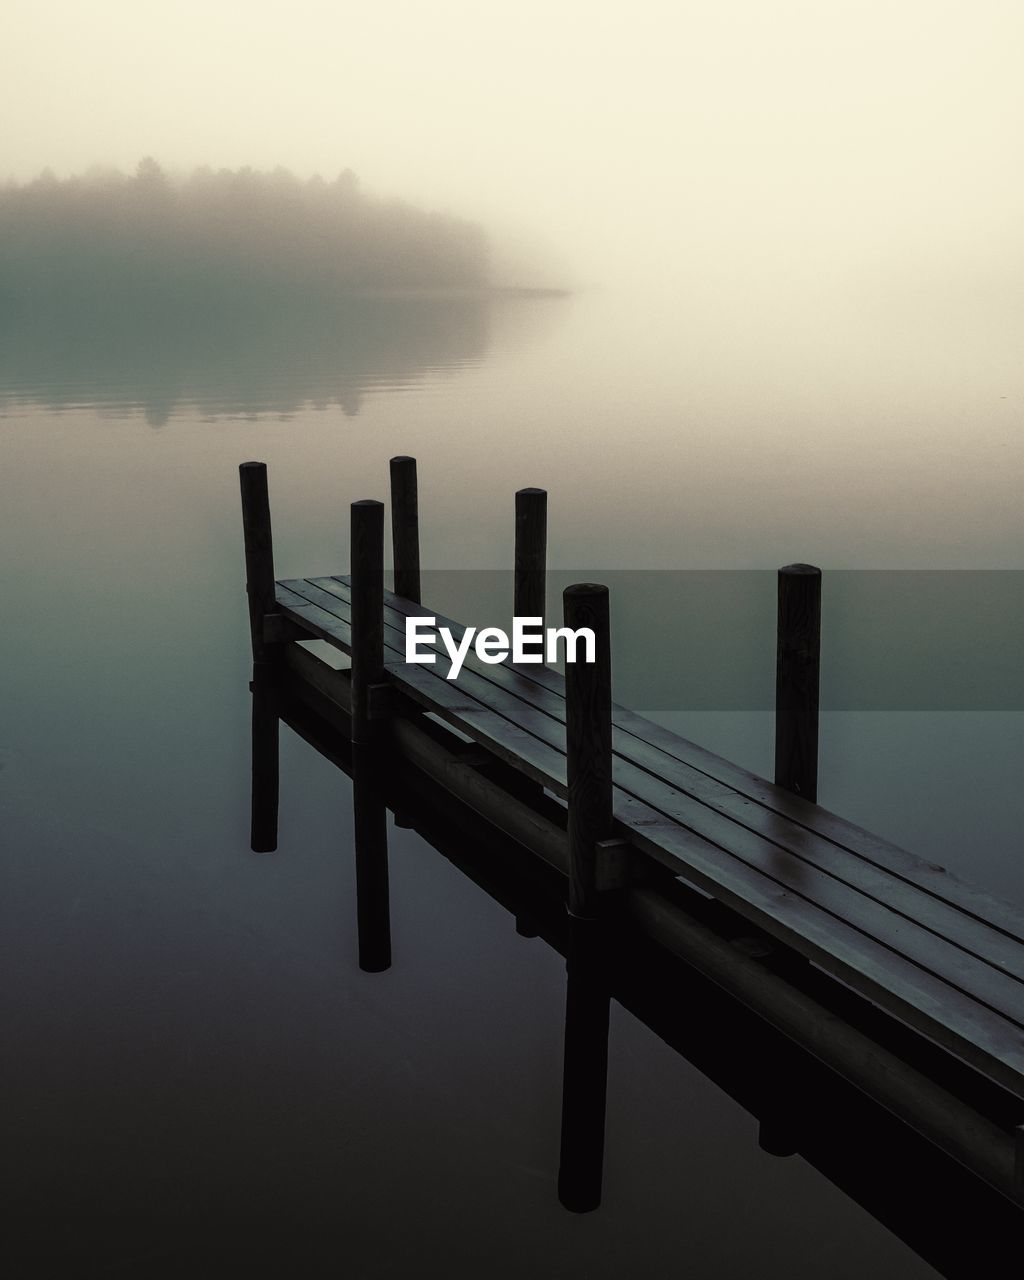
(221, 236)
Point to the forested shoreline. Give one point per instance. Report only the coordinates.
(220, 237)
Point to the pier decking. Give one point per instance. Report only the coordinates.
(798, 1104)
(944, 958)
(941, 958)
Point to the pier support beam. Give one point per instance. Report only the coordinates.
(797, 677)
(367, 612)
(588, 741)
(259, 554)
(405, 528)
(529, 591)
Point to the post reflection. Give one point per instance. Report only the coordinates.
(265, 759)
(798, 1106)
(373, 908)
(584, 1068)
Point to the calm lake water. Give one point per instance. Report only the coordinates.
(198, 1073)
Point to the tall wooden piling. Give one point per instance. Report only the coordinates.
(367, 552)
(405, 528)
(588, 740)
(797, 679)
(259, 553)
(531, 553)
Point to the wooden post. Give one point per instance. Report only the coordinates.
(259, 554)
(405, 528)
(265, 771)
(797, 680)
(367, 611)
(588, 741)
(584, 1069)
(531, 553)
(373, 903)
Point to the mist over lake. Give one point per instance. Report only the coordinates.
(738, 289)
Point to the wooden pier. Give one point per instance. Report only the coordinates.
(646, 826)
(797, 1103)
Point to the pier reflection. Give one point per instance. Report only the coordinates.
(265, 759)
(584, 1067)
(235, 355)
(370, 823)
(941, 1210)
(365, 766)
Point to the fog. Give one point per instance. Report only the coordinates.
(770, 262)
(793, 231)
(733, 148)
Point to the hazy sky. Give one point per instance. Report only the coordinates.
(673, 139)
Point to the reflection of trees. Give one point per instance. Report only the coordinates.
(231, 292)
(249, 353)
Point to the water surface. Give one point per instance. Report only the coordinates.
(198, 1069)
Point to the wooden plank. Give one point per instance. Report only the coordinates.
(317, 621)
(944, 1118)
(871, 878)
(912, 991)
(277, 629)
(333, 684)
(872, 916)
(934, 879)
(858, 1057)
(915, 996)
(993, 915)
(510, 742)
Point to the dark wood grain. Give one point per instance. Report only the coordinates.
(797, 678)
(259, 554)
(588, 743)
(367, 631)
(531, 548)
(405, 527)
(919, 890)
(943, 990)
(993, 914)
